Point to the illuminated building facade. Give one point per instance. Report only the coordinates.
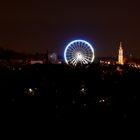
(120, 55)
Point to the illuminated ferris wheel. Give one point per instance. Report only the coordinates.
(79, 52)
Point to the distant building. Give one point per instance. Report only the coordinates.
(52, 58)
(120, 55)
(107, 60)
(36, 62)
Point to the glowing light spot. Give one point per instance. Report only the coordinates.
(79, 56)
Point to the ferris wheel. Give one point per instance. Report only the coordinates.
(79, 52)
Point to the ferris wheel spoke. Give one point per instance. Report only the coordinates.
(71, 49)
(88, 58)
(72, 60)
(84, 61)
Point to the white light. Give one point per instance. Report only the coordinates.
(102, 101)
(82, 89)
(79, 56)
(30, 90)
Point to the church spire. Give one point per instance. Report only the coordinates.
(120, 55)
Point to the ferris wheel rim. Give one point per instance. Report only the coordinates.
(77, 41)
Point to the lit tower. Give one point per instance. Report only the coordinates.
(120, 55)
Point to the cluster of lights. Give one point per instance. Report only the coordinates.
(31, 92)
(135, 66)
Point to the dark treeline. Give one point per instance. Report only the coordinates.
(93, 92)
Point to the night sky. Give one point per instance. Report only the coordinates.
(37, 26)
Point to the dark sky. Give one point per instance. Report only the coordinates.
(35, 26)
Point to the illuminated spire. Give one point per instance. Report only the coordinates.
(120, 55)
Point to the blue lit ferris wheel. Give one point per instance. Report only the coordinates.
(79, 52)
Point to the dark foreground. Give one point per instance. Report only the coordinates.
(95, 94)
